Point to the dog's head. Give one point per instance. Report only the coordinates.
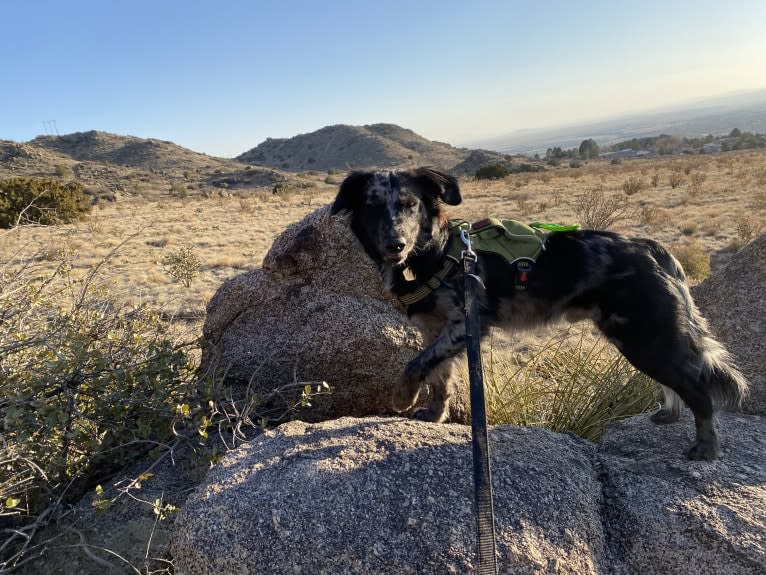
(394, 213)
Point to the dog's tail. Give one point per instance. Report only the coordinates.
(726, 384)
(718, 372)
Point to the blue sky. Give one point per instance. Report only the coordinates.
(220, 76)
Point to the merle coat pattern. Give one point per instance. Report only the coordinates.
(633, 289)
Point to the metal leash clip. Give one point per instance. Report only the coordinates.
(467, 252)
(469, 258)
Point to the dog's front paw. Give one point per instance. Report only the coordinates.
(405, 394)
(435, 414)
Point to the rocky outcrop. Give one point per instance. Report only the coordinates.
(317, 311)
(395, 496)
(734, 302)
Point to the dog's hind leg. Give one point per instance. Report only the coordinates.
(670, 412)
(671, 361)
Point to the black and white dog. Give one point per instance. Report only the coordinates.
(633, 289)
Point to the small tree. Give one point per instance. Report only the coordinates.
(588, 149)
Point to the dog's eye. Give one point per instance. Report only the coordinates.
(408, 203)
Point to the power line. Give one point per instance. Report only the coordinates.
(50, 128)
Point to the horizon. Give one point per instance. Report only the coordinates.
(220, 78)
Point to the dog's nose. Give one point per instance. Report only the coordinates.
(395, 246)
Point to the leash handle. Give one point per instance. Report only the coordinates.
(482, 478)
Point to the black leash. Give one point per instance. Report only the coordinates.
(482, 479)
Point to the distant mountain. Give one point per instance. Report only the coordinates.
(343, 147)
(716, 116)
(95, 146)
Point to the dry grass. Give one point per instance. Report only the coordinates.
(232, 234)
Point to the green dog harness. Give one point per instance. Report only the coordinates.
(509, 239)
(517, 243)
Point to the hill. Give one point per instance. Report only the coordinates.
(111, 165)
(149, 154)
(343, 147)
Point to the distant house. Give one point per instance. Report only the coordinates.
(711, 148)
(624, 153)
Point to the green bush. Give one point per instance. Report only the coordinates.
(41, 201)
(492, 172)
(86, 388)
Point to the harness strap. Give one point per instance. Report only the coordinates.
(434, 282)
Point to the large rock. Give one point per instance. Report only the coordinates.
(317, 311)
(381, 496)
(389, 496)
(734, 302)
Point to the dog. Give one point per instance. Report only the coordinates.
(633, 289)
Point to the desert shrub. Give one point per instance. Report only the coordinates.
(653, 215)
(599, 211)
(675, 179)
(62, 171)
(178, 190)
(182, 264)
(87, 387)
(566, 385)
(689, 228)
(747, 229)
(492, 172)
(41, 201)
(695, 183)
(280, 188)
(655, 179)
(693, 258)
(633, 185)
(523, 204)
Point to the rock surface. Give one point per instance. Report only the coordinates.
(395, 496)
(663, 514)
(317, 311)
(734, 302)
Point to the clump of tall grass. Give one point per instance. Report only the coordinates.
(566, 385)
(693, 258)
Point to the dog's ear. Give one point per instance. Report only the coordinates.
(351, 193)
(441, 185)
